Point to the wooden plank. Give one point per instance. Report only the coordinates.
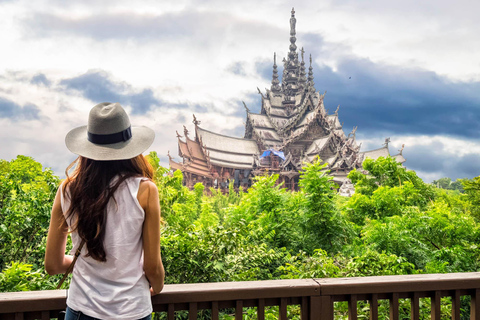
(232, 291)
(283, 309)
(404, 283)
(415, 306)
(304, 315)
(374, 307)
(394, 314)
(192, 311)
(171, 311)
(239, 310)
(214, 310)
(352, 307)
(475, 305)
(19, 316)
(456, 305)
(435, 303)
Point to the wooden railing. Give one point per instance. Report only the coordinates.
(311, 298)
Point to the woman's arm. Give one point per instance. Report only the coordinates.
(55, 259)
(152, 260)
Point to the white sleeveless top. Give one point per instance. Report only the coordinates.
(117, 288)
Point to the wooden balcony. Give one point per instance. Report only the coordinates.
(312, 298)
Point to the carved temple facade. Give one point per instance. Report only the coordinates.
(292, 127)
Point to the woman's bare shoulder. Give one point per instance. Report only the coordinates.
(147, 185)
(147, 191)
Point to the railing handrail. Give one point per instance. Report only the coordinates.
(41, 301)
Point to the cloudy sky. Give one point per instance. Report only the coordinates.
(408, 70)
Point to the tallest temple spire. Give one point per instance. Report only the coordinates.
(291, 66)
(293, 48)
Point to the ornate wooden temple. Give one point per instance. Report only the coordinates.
(292, 127)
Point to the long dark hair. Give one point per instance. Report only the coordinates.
(90, 189)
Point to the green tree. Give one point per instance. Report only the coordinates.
(472, 190)
(322, 225)
(27, 191)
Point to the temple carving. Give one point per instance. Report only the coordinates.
(292, 127)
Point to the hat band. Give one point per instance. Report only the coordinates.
(110, 138)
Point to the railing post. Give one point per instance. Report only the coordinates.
(475, 305)
(321, 308)
(261, 309)
(192, 311)
(239, 310)
(435, 312)
(394, 307)
(352, 307)
(305, 311)
(214, 310)
(456, 305)
(415, 306)
(283, 309)
(374, 307)
(171, 311)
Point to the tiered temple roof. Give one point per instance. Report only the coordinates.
(292, 122)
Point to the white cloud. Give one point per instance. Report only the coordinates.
(191, 64)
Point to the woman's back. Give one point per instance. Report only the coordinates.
(117, 286)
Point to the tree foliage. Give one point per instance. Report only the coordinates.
(394, 224)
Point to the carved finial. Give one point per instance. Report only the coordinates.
(275, 82)
(387, 141)
(185, 131)
(260, 92)
(310, 59)
(354, 130)
(401, 150)
(169, 156)
(292, 23)
(178, 134)
(302, 51)
(342, 124)
(336, 111)
(246, 108)
(195, 121)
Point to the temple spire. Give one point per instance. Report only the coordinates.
(275, 83)
(292, 55)
(291, 65)
(310, 76)
(303, 79)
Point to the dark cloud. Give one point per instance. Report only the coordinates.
(432, 159)
(401, 101)
(11, 110)
(98, 86)
(40, 79)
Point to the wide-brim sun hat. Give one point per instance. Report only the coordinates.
(109, 135)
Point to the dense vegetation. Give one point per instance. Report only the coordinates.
(394, 224)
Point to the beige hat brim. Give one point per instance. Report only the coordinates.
(77, 142)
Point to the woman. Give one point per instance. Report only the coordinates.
(110, 203)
